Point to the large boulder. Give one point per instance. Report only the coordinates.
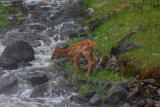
(123, 48)
(37, 78)
(118, 93)
(39, 91)
(95, 100)
(16, 53)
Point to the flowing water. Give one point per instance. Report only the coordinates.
(47, 23)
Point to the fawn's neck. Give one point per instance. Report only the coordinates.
(63, 53)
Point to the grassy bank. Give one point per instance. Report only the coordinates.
(128, 14)
(5, 11)
(136, 13)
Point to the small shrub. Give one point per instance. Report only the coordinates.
(20, 19)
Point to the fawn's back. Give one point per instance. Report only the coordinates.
(81, 47)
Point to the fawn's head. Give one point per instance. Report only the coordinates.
(56, 53)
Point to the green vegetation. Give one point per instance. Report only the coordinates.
(20, 19)
(129, 14)
(136, 13)
(102, 77)
(4, 11)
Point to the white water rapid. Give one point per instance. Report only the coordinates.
(53, 27)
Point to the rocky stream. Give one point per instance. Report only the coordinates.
(30, 78)
(46, 23)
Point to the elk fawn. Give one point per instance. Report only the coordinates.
(75, 51)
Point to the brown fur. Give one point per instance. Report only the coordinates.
(75, 51)
(153, 73)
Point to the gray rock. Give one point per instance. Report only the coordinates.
(123, 48)
(37, 78)
(39, 91)
(126, 105)
(158, 91)
(95, 100)
(112, 63)
(9, 85)
(116, 94)
(15, 53)
(78, 99)
(90, 94)
(90, 12)
(36, 43)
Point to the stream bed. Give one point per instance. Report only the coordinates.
(46, 23)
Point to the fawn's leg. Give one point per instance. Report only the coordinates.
(94, 60)
(74, 66)
(78, 62)
(90, 63)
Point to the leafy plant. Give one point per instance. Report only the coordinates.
(20, 19)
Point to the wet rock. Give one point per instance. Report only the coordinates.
(86, 28)
(157, 104)
(150, 103)
(90, 12)
(36, 43)
(110, 62)
(23, 64)
(15, 3)
(29, 36)
(93, 82)
(107, 85)
(137, 91)
(13, 17)
(81, 36)
(39, 91)
(123, 48)
(158, 91)
(37, 78)
(78, 99)
(117, 94)
(60, 63)
(95, 100)
(67, 82)
(39, 12)
(90, 94)
(15, 53)
(81, 81)
(95, 23)
(141, 102)
(60, 90)
(149, 81)
(9, 85)
(126, 105)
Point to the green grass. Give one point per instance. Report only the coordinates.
(20, 19)
(110, 32)
(4, 11)
(124, 22)
(100, 76)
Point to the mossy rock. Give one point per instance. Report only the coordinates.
(128, 67)
(135, 62)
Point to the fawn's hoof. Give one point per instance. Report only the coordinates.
(86, 76)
